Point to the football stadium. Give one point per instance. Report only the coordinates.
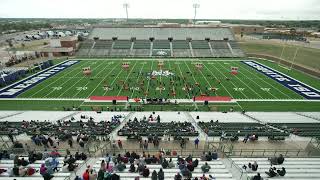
(168, 101)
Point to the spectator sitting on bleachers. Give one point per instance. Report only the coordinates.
(203, 156)
(4, 155)
(272, 172)
(209, 157)
(160, 174)
(190, 166)
(276, 160)
(205, 168)
(15, 170)
(189, 158)
(30, 171)
(195, 163)
(132, 168)
(178, 177)
(257, 177)
(24, 162)
(214, 155)
(282, 172)
(44, 172)
(121, 166)
(181, 165)
(171, 165)
(165, 163)
(2, 170)
(145, 172)
(22, 171)
(186, 172)
(254, 166)
(154, 175)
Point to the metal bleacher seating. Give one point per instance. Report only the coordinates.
(101, 48)
(161, 44)
(296, 168)
(141, 48)
(218, 170)
(181, 48)
(6, 164)
(201, 48)
(121, 48)
(221, 49)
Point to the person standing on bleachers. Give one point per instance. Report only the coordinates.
(154, 175)
(160, 174)
(196, 143)
(178, 177)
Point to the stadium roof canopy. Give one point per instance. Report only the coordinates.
(216, 33)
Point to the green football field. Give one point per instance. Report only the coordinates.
(109, 78)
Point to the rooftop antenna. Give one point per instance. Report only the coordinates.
(195, 6)
(126, 6)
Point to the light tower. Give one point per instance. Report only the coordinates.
(195, 6)
(126, 6)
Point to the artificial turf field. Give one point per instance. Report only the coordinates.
(109, 78)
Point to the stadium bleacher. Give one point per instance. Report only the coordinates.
(296, 168)
(219, 39)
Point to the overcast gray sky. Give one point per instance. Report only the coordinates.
(209, 9)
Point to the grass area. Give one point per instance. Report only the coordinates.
(145, 79)
(280, 106)
(308, 57)
(110, 79)
(248, 106)
(29, 46)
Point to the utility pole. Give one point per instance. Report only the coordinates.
(294, 57)
(126, 6)
(195, 6)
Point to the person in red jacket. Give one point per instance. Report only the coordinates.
(85, 175)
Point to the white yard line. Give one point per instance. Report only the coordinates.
(255, 83)
(245, 67)
(108, 65)
(244, 84)
(182, 80)
(115, 66)
(149, 79)
(173, 87)
(127, 78)
(137, 81)
(114, 80)
(192, 75)
(67, 90)
(221, 83)
(57, 79)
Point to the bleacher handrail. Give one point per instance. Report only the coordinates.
(271, 152)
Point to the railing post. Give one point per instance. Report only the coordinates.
(264, 152)
(286, 152)
(252, 152)
(298, 152)
(240, 152)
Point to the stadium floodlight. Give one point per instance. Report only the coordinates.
(195, 6)
(126, 6)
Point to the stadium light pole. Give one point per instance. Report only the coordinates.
(195, 6)
(126, 6)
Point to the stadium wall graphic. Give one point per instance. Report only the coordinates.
(289, 82)
(27, 83)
